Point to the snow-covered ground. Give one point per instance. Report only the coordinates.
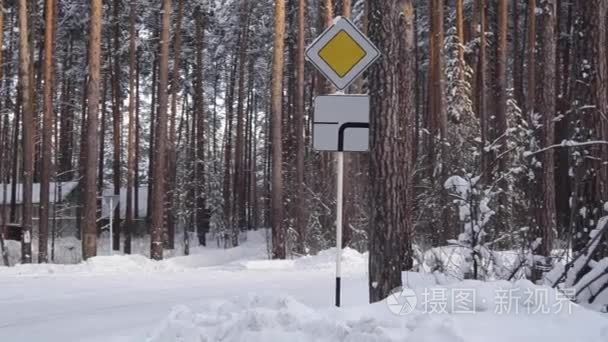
(238, 295)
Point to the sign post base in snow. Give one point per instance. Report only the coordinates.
(341, 122)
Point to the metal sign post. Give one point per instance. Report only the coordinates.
(109, 200)
(339, 195)
(111, 225)
(341, 122)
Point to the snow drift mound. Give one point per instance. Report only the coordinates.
(270, 319)
(491, 317)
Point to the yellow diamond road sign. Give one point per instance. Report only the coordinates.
(342, 53)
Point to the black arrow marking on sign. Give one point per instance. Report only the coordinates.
(346, 126)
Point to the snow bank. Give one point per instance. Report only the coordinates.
(258, 318)
(282, 318)
(253, 248)
(352, 262)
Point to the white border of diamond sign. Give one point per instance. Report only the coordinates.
(342, 24)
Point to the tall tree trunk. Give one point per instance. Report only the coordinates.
(300, 207)
(278, 226)
(158, 189)
(28, 132)
(102, 132)
(200, 212)
(137, 141)
(407, 93)
(172, 155)
(4, 148)
(117, 119)
(151, 148)
(500, 110)
(531, 59)
(387, 221)
(438, 119)
(547, 108)
(47, 130)
(131, 130)
(15, 166)
(89, 240)
(239, 174)
(460, 33)
(482, 110)
(66, 136)
(227, 184)
(600, 97)
(518, 83)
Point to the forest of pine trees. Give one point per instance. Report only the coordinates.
(489, 129)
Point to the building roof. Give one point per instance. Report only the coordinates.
(63, 188)
(107, 193)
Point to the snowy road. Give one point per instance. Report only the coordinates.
(118, 307)
(208, 297)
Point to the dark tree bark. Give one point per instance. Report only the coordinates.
(152, 136)
(531, 59)
(158, 189)
(278, 225)
(388, 217)
(228, 181)
(25, 80)
(131, 131)
(172, 153)
(547, 108)
(300, 207)
(200, 211)
(89, 240)
(4, 148)
(117, 120)
(66, 136)
(239, 173)
(47, 130)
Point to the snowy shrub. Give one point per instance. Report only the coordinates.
(585, 276)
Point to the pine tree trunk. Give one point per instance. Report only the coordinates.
(201, 212)
(25, 80)
(117, 119)
(136, 181)
(158, 189)
(482, 110)
(500, 110)
(227, 184)
(102, 133)
(47, 131)
(15, 165)
(89, 240)
(387, 221)
(66, 136)
(518, 83)
(131, 130)
(407, 92)
(300, 207)
(172, 155)
(4, 148)
(151, 148)
(531, 41)
(278, 226)
(239, 174)
(600, 95)
(547, 109)
(460, 33)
